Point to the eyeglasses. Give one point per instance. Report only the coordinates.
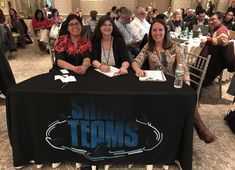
(212, 19)
(74, 24)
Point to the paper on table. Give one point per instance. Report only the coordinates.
(64, 71)
(113, 71)
(153, 75)
(65, 78)
(72, 79)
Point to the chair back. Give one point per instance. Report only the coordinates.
(197, 69)
(231, 34)
(34, 37)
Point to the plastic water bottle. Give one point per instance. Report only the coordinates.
(179, 73)
(199, 32)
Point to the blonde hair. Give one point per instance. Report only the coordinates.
(177, 11)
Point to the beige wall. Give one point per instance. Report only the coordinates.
(176, 4)
(64, 6)
(103, 6)
(222, 5)
(161, 7)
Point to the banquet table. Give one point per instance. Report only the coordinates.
(100, 120)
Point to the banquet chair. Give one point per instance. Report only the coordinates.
(197, 69)
(231, 34)
(34, 37)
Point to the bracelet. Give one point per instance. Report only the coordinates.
(100, 66)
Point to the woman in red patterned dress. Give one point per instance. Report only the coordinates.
(73, 51)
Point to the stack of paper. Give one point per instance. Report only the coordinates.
(65, 78)
(153, 75)
(113, 71)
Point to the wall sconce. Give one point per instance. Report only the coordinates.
(2, 3)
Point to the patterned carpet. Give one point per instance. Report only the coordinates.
(216, 156)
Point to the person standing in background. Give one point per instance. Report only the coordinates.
(93, 20)
(198, 8)
(210, 8)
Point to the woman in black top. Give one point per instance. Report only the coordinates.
(73, 51)
(109, 47)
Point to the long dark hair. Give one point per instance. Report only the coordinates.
(97, 33)
(53, 11)
(66, 22)
(12, 9)
(166, 42)
(36, 15)
(2, 17)
(13, 20)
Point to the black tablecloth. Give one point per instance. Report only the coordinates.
(101, 120)
(231, 88)
(6, 76)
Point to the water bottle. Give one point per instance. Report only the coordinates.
(179, 73)
(186, 32)
(190, 35)
(199, 32)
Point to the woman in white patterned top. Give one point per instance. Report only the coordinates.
(161, 53)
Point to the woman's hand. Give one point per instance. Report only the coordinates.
(80, 69)
(122, 71)
(187, 82)
(169, 57)
(140, 73)
(104, 68)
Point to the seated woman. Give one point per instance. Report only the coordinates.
(176, 21)
(109, 47)
(7, 42)
(15, 22)
(41, 28)
(158, 52)
(55, 18)
(72, 51)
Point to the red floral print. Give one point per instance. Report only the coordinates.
(65, 44)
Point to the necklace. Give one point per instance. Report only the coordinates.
(105, 55)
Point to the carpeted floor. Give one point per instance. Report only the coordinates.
(219, 155)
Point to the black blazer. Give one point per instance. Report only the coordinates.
(119, 50)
